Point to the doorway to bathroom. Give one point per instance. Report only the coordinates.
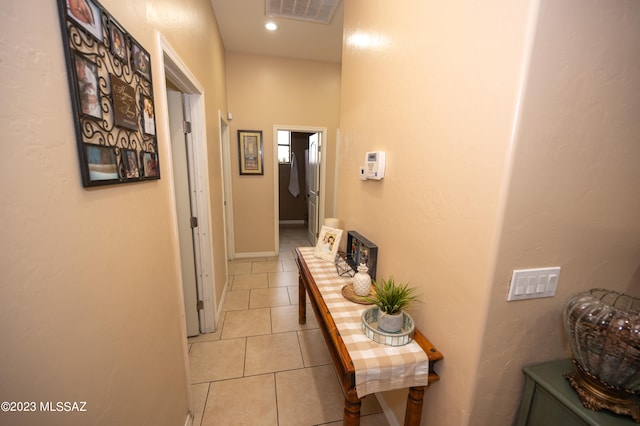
(298, 184)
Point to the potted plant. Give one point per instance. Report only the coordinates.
(391, 298)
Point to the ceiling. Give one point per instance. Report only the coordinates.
(241, 24)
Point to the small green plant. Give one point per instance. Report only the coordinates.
(391, 297)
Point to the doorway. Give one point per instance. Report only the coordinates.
(186, 207)
(183, 81)
(311, 176)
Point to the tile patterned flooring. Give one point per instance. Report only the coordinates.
(260, 367)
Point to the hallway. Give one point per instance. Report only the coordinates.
(261, 367)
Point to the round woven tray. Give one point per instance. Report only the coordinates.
(350, 294)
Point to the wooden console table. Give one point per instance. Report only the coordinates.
(320, 280)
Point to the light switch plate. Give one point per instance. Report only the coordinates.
(533, 283)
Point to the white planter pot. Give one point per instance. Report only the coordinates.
(390, 323)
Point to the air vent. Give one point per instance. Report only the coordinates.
(319, 11)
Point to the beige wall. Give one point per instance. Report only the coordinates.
(435, 89)
(89, 293)
(262, 92)
(572, 199)
(465, 200)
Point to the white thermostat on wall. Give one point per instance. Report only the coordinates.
(374, 163)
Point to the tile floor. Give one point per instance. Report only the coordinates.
(260, 367)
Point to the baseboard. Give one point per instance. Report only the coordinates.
(221, 304)
(388, 412)
(189, 420)
(292, 222)
(255, 254)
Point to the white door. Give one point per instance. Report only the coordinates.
(313, 185)
(180, 152)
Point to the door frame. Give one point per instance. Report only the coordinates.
(174, 70)
(225, 154)
(276, 175)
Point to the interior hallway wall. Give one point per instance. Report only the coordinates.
(483, 177)
(573, 198)
(433, 84)
(89, 289)
(265, 91)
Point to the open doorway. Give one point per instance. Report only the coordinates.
(299, 202)
(190, 92)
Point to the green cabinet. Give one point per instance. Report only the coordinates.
(549, 400)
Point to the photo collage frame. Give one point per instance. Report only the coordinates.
(111, 95)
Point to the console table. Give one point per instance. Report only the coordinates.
(363, 365)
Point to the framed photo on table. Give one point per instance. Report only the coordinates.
(250, 152)
(361, 250)
(328, 242)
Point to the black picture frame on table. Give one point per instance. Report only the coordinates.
(109, 74)
(361, 250)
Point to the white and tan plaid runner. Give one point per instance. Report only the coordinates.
(378, 367)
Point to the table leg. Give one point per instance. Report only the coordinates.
(351, 409)
(302, 302)
(413, 413)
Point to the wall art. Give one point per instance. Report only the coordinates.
(250, 152)
(111, 96)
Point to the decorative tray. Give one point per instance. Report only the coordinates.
(350, 294)
(370, 329)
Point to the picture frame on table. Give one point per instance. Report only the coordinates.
(250, 152)
(361, 250)
(328, 243)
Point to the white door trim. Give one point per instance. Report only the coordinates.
(225, 154)
(276, 182)
(173, 69)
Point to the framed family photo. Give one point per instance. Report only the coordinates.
(111, 88)
(250, 152)
(130, 164)
(86, 14)
(328, 242)
(102, 163)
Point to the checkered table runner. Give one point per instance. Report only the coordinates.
(378, 367)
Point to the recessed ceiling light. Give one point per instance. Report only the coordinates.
(271, 26)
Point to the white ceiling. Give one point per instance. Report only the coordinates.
(241, 24)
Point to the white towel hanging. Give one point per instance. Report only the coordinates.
(294, 185)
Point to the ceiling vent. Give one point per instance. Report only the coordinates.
(319, 11)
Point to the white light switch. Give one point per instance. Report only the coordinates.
(533, 283)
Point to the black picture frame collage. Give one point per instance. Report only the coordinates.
(111, 95)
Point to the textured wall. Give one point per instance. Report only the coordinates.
(433, 84)
(265, 91)
(572, 200)
(89, 294)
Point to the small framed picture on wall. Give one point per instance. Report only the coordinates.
(250, 152)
